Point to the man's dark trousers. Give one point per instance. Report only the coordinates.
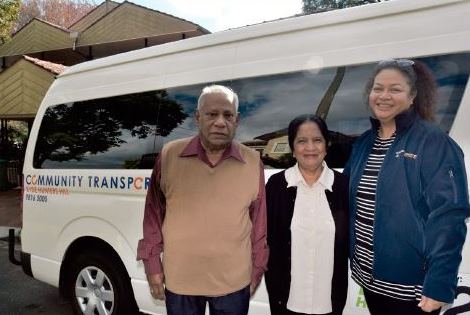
(236, 303)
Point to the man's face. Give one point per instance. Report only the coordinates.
(217, 121)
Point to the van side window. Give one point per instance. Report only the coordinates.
(108, 133)
(122, 131)
(268, 103)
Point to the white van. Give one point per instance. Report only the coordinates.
(102, 123)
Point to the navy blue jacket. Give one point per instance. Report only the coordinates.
(421, 206)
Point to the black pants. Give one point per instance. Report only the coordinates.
(281, 309)
(294, 313)
(379, 304)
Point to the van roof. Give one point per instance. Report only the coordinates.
(268, 28)
(357, 35)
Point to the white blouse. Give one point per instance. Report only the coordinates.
(312, 244)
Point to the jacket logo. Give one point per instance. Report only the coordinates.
(404, 154)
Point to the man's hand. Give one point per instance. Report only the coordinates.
(156, 286)
(428, 305)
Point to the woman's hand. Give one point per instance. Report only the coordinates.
(429, 305)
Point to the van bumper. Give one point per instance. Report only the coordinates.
(26, 263)
(25, 258)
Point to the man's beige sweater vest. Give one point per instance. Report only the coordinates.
(207, 226)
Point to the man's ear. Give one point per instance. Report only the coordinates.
(197, 116)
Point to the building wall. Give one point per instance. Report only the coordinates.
(132, 21)
(35, 37)
(93, 16)
(22, 88)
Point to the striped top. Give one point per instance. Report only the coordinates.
(364, 230)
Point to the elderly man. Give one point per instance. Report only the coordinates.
(206, 212)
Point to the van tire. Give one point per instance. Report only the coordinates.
(94, 277)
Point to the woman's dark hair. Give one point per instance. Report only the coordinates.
(299, 120)
(420, 79)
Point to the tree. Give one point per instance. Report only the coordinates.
(315, 6)
(9, 10)
(73, 131)
(59, 12)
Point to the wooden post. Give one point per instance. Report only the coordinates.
(3, 137)
(90, 52)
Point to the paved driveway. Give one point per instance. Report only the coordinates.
(23, 295)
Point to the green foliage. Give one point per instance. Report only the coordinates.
(15, 142)
(71, 131)
(9, 10)
(315, 6)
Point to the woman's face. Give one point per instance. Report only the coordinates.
(309, 146)
(390, 95)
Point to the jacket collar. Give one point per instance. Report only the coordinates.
(402, 121)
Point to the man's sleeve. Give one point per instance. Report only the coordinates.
(151, 246)
(260, 251)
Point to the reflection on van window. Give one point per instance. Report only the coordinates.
(122, 131)
(268, 103)
(115, 132)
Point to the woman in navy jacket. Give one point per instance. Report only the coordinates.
(307, 211)
(408, 197)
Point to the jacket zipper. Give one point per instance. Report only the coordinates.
(387, 157)
(454, 186)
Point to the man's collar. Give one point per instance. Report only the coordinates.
(195, 148)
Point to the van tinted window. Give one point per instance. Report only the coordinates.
(269, 103)
(90, 135)
(115, 132)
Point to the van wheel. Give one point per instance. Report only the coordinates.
(97, 285)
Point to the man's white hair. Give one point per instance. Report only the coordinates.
(231, 96)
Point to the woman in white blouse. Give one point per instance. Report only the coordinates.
(307, 227)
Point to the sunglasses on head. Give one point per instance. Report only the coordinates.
(398, 62)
